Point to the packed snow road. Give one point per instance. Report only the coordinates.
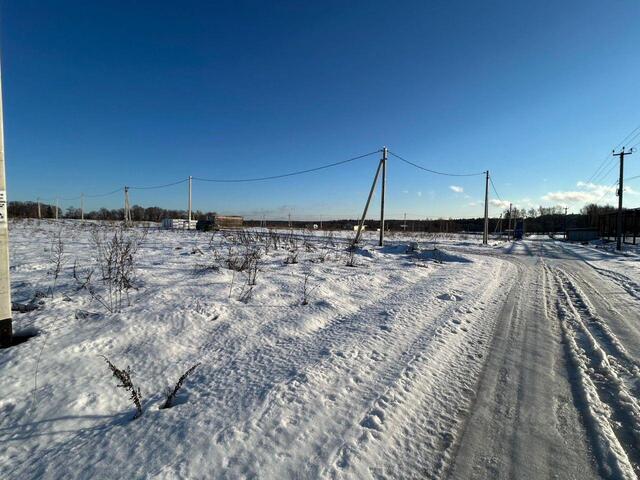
(465, 362)
(558, 397)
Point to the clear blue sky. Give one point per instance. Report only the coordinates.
(103, 94)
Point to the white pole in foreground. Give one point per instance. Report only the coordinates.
(6, 331)
(189, 224)
(82, 207)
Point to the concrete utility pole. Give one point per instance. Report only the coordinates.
(384, 188)
(39, 213)
(619, 234)
(56, 208)
(190, 180)
(509, 232)
(289, 220)
(82, 207)
(485, 234)
(127, 210)
(566, 209)
(366, 206)
(6, 329)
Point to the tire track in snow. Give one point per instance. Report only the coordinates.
(610, 411)
(417, 413)
(380, 358)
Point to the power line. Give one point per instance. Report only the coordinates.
(290, 174)
(494, 189)
(606, 192)
(105, 194)
(629, 137)
(435, 171)
(152, 187)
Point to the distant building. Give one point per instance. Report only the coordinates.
(220, 221)
(355, 228)
(178, 224)
(582, 234)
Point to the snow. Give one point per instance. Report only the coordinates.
(432, 356)
(373, 376)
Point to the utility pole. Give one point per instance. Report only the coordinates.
(404, 223)
(6, 329)
(39, 213)
(619, 234)
(366, 206)
(56, 208)
(509, 232)
(127, 210)
(485, 234)
(82, 207)
(566, 209)
(189, 224)
(289, 219)
(384, 187)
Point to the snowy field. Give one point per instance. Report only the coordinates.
(313, 362)
(431, 357)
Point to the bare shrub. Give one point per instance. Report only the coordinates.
(82, 276)
(57, 259)
(253, 273)
(124, 377)
(307, 289)
(171, 393)
(246, 294)
(292, 257)
(351, 256)
(115, 256)
(240, 261)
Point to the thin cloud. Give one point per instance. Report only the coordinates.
(499, 203)
(456, 188)
(587, 193)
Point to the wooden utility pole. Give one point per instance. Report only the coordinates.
(619, 233)
(366, 206)
(509, 232)
(485, 234)
(384, 188)
(189, 224)
(6, 329)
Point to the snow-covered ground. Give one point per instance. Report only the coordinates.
(434, 356)
(373, 375)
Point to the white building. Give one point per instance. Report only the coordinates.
(178, 224)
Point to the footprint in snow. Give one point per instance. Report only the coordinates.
(452, 297)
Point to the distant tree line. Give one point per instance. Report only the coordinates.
(138, 213)
(540, 220)
(537, 220)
